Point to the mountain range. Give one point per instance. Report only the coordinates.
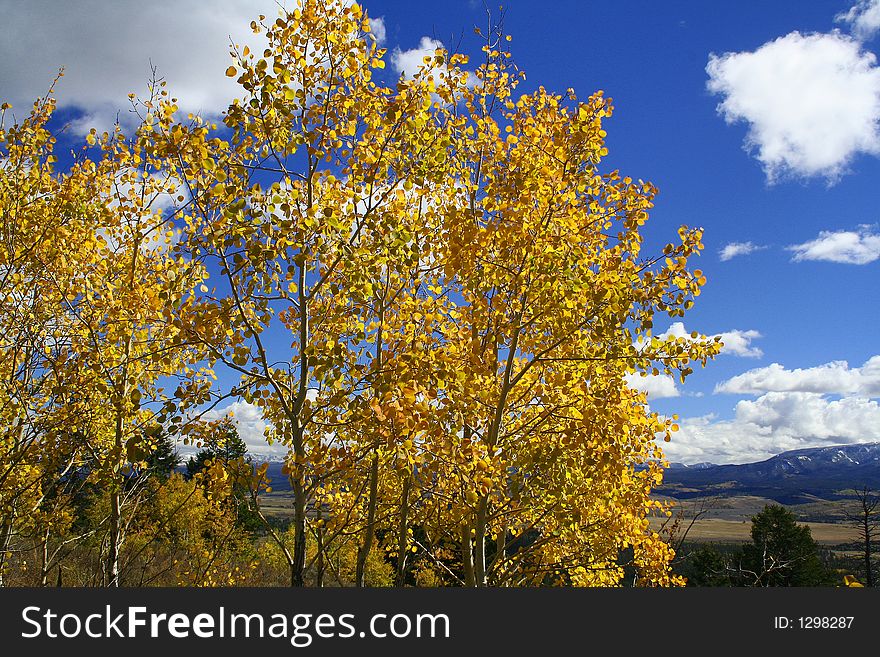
(792, 477)
(789, 478)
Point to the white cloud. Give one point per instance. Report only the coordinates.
(107, 49)
(161, 193)
(739, 343)
(813, 416)
(251, 427)
(102, 120)
(863, 17)
(793, 409)
(408, 62)
(377, 29)
(735, 249)
(812, 102)
(834, 378)
(773, 423)
(656, 387)
(736, 342)
(848, 247)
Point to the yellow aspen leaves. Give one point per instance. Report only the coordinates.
(432, 293)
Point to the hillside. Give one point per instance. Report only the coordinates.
(794, 477)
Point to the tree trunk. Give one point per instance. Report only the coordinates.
(400, 570)
(112, 567)
(320, 566)
(5, 540)
(299, 449)
(467, 556)
(480, 542)
(367, 545)
(115, 539)
(297, 569)
(44, 559)
(500, 548)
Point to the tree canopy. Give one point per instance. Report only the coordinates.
(782, 552)
(431, 287)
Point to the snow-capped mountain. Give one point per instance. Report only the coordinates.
(821, 471)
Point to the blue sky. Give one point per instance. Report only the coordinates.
(756, 120)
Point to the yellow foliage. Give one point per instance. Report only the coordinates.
(456, 278)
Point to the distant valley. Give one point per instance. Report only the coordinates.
(816, 484)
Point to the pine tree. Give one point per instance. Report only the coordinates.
(782, 553)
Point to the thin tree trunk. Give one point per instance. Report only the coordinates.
(115, 539)
(367, 545)
(299, 450)
(467, 549)
(44, 559)
(320, 566)
(112, 565)
(480, 542)
(402, 534)
(467, 556)
(5, 540)
(116, 531)
(299, 515)
(501, 547)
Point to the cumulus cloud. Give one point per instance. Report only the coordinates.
(408, 62)
(812, 416)
(736, 342)
(863, 18)
(857, 247)
(835, 378)
(811, 102)
(739, 343)
(775, 422)
(656, 387)
(829, 404)
(251, 426)
(107, 49)
(377, 29)
(735, 249)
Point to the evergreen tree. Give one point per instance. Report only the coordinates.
(163, 459)
(782, 553)
(707, 566)
(225, 445)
